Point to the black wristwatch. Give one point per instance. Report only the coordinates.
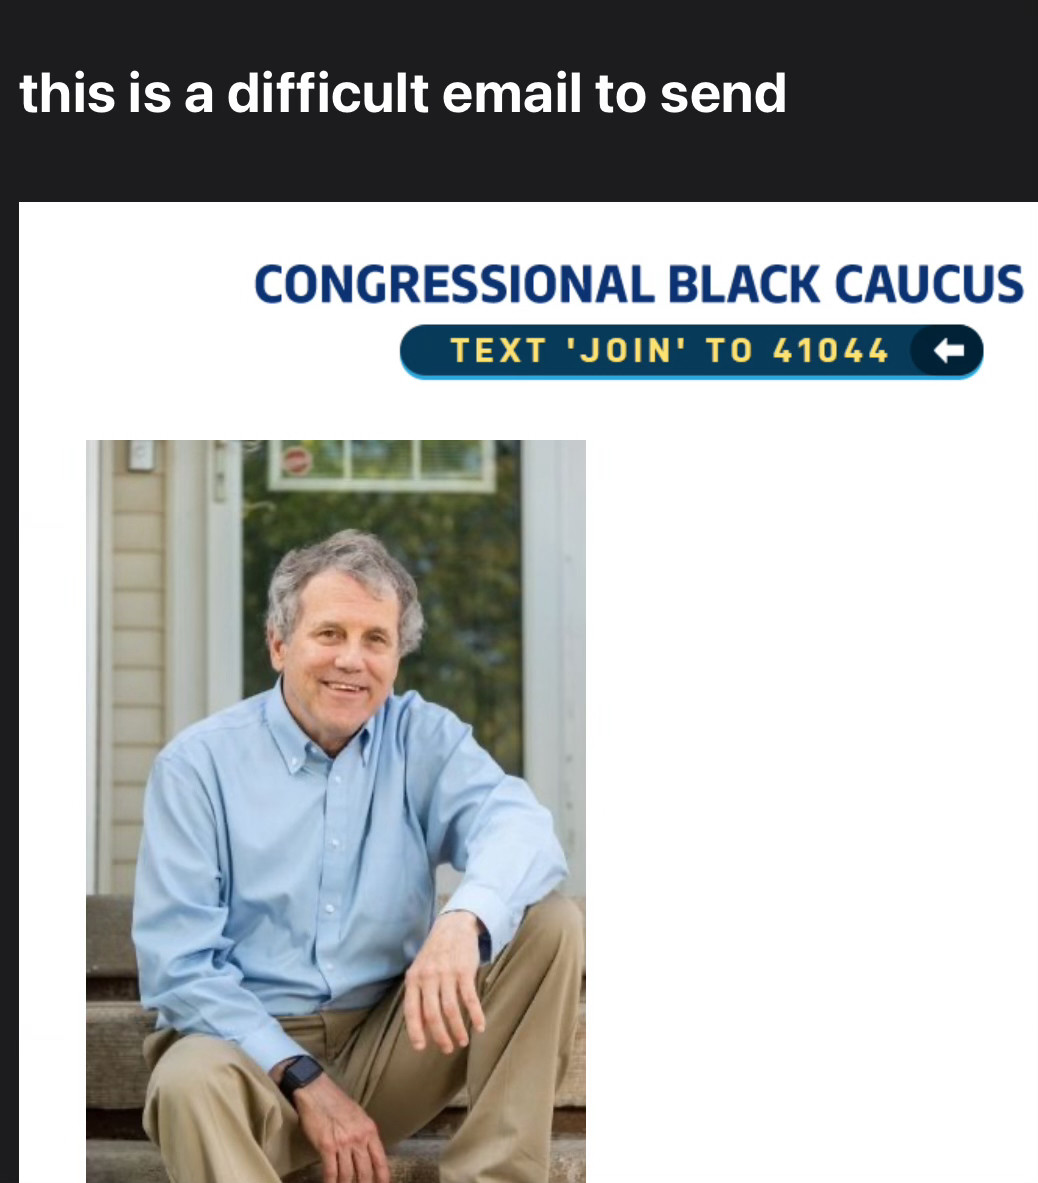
(298, 1072)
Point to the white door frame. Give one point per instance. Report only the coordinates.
(203, 615)
(553, 531)
(93, 662)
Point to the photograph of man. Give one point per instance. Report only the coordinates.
(313, 1003)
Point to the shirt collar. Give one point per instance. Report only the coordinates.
(292, 741)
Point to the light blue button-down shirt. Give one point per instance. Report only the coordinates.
(274, 880)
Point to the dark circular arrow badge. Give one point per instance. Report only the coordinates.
(947, 351)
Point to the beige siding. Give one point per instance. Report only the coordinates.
(122, 878)
(138, 609)
(137, 556)
(138, 725)
(127, 805)
(138, 531)
(138, 492)
(138, 572)
(132, 763)
(125, 838)
(137, 687)
(137, 648)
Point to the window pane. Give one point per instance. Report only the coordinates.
(381, 458)
(452, 458)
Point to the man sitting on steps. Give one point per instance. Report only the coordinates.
(284, 912)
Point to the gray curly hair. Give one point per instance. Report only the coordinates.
(352, 552)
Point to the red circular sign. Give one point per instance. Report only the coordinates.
(296, 461)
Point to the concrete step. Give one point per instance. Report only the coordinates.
(413, 1161)
(116, 1076)
(111, 962)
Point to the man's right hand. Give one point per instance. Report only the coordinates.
(341, 1132)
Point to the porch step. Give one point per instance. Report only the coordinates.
(117, 1077)
(111, 961)
(413, 1161)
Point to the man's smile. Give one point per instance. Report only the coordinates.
(339, 662)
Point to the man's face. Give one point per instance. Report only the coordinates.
(340, 662)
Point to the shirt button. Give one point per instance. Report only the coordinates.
(329, 907)
(337, 779)
(335, 843)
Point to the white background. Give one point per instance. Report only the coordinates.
(812, 800)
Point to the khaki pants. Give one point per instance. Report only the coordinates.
(218, 1118)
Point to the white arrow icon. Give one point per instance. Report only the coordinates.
(944, 350)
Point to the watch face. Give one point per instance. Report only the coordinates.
(302, 1071)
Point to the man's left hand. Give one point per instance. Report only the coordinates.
(442, 980)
